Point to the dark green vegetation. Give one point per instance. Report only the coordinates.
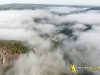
(15, 46)
(15, 6)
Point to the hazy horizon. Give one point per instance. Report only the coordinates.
(62, 2)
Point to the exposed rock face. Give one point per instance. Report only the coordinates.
(6, 56)
(10, 50)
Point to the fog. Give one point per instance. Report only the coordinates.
(64, 9)
(84, 18)
(52, 51)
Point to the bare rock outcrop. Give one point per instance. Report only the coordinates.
(6, 56)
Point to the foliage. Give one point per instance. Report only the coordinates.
(16, 46)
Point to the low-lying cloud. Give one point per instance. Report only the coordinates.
(52, 52)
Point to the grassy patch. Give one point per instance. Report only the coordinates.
(16, 46)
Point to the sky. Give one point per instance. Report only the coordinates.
(68, 2)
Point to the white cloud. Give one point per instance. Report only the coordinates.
(20, 25)
(84, 18)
